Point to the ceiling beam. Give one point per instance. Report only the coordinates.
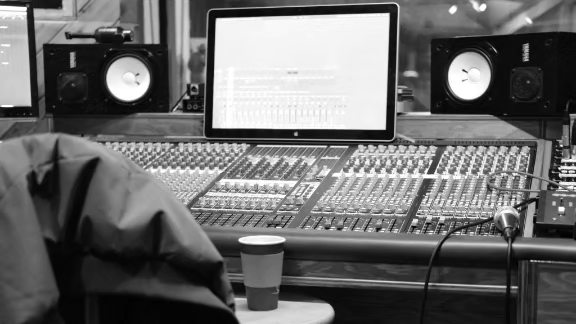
(518, 20)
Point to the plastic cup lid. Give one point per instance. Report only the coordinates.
(262, 240)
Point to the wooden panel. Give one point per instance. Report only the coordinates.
(384, 276)
(417, 126)
(14, 127)
(138, 124)
(426, 125)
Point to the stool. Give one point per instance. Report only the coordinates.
(312, 311)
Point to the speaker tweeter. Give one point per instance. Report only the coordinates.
(72, 87)
(526, 84)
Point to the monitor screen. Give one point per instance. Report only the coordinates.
(318, 72)
(18, 93)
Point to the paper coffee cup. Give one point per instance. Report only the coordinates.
(262, 257)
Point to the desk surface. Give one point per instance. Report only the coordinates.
(300, 312)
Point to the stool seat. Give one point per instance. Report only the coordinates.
(312, 311)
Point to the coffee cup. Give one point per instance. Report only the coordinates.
(262, 258)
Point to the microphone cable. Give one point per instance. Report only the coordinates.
(509, 237)
(508, 281)
(459, 228)
(434, 256)
(507, 221)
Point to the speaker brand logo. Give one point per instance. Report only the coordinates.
(526, 52)
(73, 60)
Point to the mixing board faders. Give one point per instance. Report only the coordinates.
(415, 189)
(187, 168)
(562, 169)
(263, 181)
(457, 192)
(373, 191)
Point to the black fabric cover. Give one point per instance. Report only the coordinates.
(77, 218)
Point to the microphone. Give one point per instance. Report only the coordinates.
(507, 220)
(113, 35)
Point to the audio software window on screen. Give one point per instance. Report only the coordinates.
(14, 58)
(301, 72)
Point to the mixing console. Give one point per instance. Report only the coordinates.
(418, 189)
(556, 216)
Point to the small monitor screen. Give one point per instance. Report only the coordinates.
(17, 61)
(320, 72)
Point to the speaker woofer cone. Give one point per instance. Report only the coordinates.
(469, 75)
(128, 78)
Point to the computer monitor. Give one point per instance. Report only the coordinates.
(18, 83)
(302, 73)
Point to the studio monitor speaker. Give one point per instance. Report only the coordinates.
(105, 78)
(522, 74)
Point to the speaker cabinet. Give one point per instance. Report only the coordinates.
(522, 74)
(105, 78)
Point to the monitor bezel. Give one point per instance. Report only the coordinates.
(32, 110)
(331, 135)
